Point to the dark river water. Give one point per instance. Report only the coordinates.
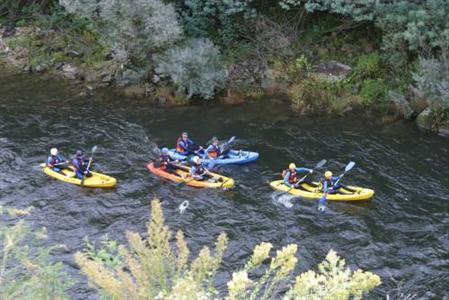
(402, 234)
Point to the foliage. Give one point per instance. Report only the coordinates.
(152, 269)
(368, 66)
(195, 67)
(220, 21)
(24, 274)
(133, 29)
(373, 90)
(433, 79)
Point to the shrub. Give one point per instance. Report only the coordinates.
(433, 79)
(368, 66)
(220, 21)
(153, 269)
(24, 274)
(373, 91)
(133, 29)
(195, 67)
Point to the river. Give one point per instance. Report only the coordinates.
(402, 234)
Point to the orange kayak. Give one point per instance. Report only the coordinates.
(182, 174)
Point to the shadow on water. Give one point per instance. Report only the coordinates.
(402, 234)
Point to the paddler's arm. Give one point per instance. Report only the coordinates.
(286, 177)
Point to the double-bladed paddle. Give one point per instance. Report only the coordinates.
(322, 202)
(318, 165)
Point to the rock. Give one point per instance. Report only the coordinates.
(135, 91)
(398, 106)
(41, 68)
(156, 79)
(424, 119)
(332, 71)
(444, 129)
(70, 72)
(232, 98)
(418, 101)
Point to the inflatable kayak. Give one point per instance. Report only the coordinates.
(182, 174)
(97, 180)
(308, 191)
(234, 157)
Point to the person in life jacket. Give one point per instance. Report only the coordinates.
(213, 151)
(55, 161)
(80, 164)
(198, 172)
(186, 146)
(330, 184)
(293, 175)
(166, 162)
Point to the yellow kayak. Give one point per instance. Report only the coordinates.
(310, 192)
(97, 180)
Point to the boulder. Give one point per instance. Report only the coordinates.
(444, 129)
(232, 98)
(332, 71)
(398, 106)
(418, 101)
(135, 91)
(70, 71)
(424, 119)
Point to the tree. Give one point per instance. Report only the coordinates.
(195, 67)
(152, 269)
(134, 29)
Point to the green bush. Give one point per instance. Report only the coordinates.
(133, 29)
(156, 267)
(220, 21)
(368, 66)
(195, 67)
(373, 91)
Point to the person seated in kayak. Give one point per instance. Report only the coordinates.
(294, 176)
(166, 162)
(331, 184)
(55, 161)
(80, 164)
(186, 146)
(198, 172)
(213, 151)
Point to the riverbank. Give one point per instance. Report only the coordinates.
(323, 68)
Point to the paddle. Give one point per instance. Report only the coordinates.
(318, 165)
(322, 202)
(224, 147)
(94, 148)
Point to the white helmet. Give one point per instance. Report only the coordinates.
(196, 159)
(54, 151)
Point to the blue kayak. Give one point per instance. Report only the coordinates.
(234, 157)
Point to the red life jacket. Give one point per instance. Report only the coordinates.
(179, 149)
(214, 152)
(292, 178)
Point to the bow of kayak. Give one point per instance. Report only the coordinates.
(182, 174)
(310, 192)
(97, 180)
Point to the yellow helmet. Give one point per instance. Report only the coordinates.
(292, 166)
(328, 174)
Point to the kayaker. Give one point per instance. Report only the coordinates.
(55, 161)
(213, 151)
(198, 172)
(292, 175)
(186, 146)
(80, 164)
(166, 162)
(329, 185)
